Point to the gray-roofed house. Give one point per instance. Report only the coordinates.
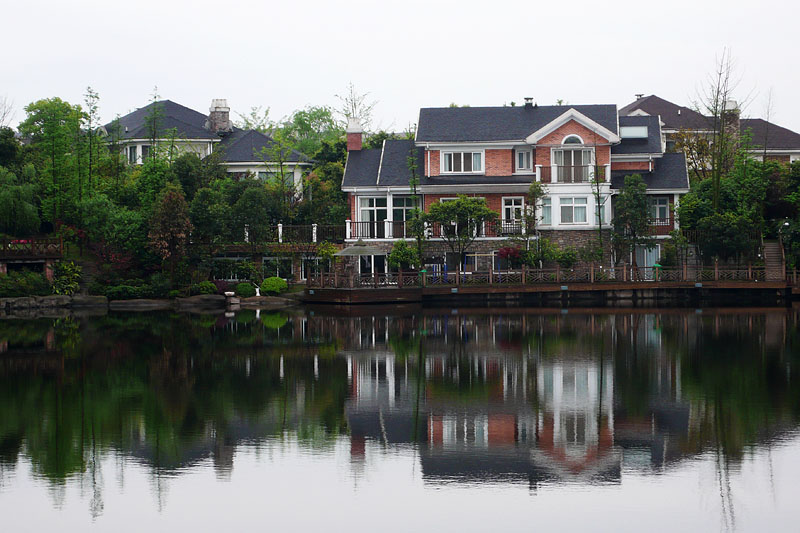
(495, 153)
(780, 143)
(168, 123)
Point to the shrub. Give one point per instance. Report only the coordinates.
(222, 286)
(123, 292)
(403, 255)
(567, 257)
(66, 278)
(204, 287)
(174, 294)
(274, 285)
(245, 290)
(158, 286)
(24, 283)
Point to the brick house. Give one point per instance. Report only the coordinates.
(495, 153)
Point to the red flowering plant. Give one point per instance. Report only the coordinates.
(512, 255)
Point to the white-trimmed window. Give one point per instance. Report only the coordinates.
(277, 266)
(524, 160)
(512, 209)
(462, 162)
(132, 154)
(573, 209)
(372, 209)
(547, 211)
(600, 210)
(659, 209)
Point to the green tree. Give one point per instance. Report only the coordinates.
(51, 126)
(632, 218)
(170, 227)
(18, 214)
(460, 221)
(9, 148)
(309, 128)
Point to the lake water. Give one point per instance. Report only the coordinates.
(416, 419)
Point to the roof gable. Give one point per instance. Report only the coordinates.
(572, 114)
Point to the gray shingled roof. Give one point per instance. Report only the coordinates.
(188, 123)
(241, 146)
(476, 124)
(362, 168)
(650, 145)
(669, 172)
(777, 138)
(672, 115)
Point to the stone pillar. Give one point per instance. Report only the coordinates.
(48, 269)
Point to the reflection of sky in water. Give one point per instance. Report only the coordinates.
(451, 420)
(285, 486)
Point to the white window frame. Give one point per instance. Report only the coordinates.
(562, 203)
(549, 206)
(600, 212)
(372, 208)
(521, 208)
(656, 203)
(445, 153)
(133, 150)
(524, 169)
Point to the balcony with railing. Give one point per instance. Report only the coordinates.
(31, 249)
(662, 226)
(571, 173)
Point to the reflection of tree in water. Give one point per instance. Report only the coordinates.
(175, 390)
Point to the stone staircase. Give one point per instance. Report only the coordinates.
(774, 263)
(88, 275)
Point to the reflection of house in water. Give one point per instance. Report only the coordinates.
(487, 415)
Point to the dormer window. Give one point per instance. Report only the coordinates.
(462, 162)
(524, 160)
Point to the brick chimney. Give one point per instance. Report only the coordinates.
(219, 116)
(355, 134)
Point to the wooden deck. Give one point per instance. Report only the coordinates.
(620, 291)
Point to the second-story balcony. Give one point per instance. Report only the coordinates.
(571, 173)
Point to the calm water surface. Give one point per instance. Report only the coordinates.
(402, 420)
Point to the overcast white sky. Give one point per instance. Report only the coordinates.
(287, 55)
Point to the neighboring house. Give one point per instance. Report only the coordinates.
(495, 153)
(781, 143)
(186, 130)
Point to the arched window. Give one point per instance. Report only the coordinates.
(573, 161)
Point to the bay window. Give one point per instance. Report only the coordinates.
(454, 162)
(573, 210)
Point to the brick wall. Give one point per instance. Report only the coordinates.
(603, 153)
(351, 200)
(630, 165)
(434, 162)
(494, 201)
(499, 162)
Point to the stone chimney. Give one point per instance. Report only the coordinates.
(529, 102)
(219, 116)
(730, 118)
(355, 134)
